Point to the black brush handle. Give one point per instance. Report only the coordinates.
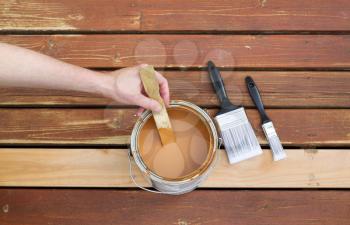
(254, 93)
(219, 87)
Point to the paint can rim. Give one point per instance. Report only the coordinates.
(196, 173)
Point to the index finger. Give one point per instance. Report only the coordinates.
(164, 88)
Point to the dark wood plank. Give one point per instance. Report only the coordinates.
(66, 15)
(278, 89)
(65, 206)
(178, 15)
(243, 51)
(246, 15)
(314, 127)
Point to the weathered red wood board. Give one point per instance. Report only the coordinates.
(310, 127)
(278, 89)
(178, 15)
(71, 207)
(242, 51)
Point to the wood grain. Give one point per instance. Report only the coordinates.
(71, 207)
(246, 15)
(311, 127)
(178, 15)
(242, 51)
(65, 15)
(110, 168)
(278, 89)
(240, 36)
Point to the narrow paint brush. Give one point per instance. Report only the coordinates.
(269, 129)
(236, 131)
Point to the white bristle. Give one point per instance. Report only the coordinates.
(238, 136)
(274, 141)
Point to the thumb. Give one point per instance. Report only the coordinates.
(148, 103)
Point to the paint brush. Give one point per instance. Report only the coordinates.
(236, 131)
(269, 129)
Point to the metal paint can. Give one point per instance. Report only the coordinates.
(183, 184)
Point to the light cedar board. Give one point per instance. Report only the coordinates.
(110, 168)
(297, 127)
(278, 89)
(174, 51)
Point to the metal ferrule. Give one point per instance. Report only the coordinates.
(269, 129)
(274, 141)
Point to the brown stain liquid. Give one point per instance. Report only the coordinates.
(181, 158)
(167, 135)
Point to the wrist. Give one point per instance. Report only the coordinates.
(104, 84)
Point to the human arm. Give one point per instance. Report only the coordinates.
(21, 67)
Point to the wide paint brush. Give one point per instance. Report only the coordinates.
(236, 131)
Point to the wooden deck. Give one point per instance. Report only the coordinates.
(63, 155)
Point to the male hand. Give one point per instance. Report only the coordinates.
(127, 88)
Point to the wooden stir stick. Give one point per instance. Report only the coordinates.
(169, 162)
(161, 118)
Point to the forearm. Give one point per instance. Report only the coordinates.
(20, 67)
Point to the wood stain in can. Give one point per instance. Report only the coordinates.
(192, 139)
(196, 137)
